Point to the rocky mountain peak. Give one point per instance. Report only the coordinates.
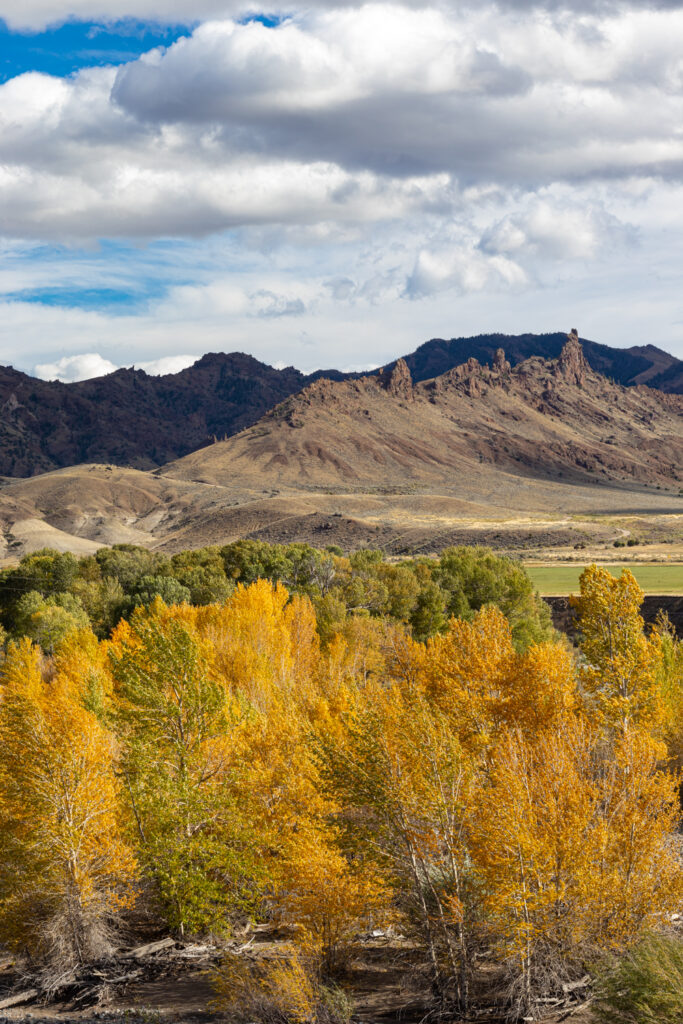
(571, 364)
(399, 382)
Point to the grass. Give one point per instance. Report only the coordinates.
(645, 986)
(564, 579)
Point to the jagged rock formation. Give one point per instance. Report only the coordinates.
(571, 364)
(630, 366)
(544, 419)
(398, 381)
(500, 363)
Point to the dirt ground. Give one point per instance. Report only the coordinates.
(384, 978)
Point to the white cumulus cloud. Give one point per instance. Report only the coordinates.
(91, 364)
(73, 368)
(346, 116)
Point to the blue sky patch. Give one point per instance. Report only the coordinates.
(66, 48)
(269, 20)
(110, 300)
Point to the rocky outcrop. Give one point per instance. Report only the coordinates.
(571, 365)
(628, 366)
(398, 382)
(500, 363)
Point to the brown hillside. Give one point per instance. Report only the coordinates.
(544, 420)
(132, 419)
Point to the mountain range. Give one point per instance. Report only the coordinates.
(540, 454)
(129, 418)
(551, 420)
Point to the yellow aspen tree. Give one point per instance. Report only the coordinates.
(541, 687)
(405, 786)
(529, 843)
(299, 616)
(671, 683)
(251, 641)
(636, 877)
(467, 672)
(272, 667)
(572, 842)
(81, 661)
(328, 899)
(66, 871)
(621, 677)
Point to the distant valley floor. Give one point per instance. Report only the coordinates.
(88, 507)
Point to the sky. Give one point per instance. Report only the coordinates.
(330, 184)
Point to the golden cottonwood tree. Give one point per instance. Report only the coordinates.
(572, 848)
(65, 868)
(483, 684)
(621, 678)
(467, 672)
(328, 898)
(406, 788)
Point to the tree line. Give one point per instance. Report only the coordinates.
(50, 593)
(490, 792)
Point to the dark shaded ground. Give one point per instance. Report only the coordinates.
(564, 616)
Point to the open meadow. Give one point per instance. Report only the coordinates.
(560, 580)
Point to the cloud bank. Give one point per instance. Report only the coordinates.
(311, 122)
(37, 14)
(406, 168)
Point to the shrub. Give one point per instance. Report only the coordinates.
(643, 987)
(278, 990)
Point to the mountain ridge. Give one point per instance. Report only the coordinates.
(130, 418)
(515, 456)
(538, 419)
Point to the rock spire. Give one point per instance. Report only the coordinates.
(571, 364)
(399, 382)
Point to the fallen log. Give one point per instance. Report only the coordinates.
(20, 997)
(152, 947)
(576, 1009)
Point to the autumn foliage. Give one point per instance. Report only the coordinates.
(235, 762)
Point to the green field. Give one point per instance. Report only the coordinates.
(564, 579)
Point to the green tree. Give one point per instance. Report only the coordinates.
(402, 588)
(47, 621)
(175, 719)
(167, 588)
(473, 577)
(104, 601)
(127, 563)
(203, 573)
(429, 614)
(45, 572)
